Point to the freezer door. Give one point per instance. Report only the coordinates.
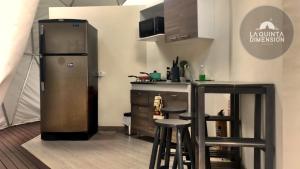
(63, 38)
(64, 94)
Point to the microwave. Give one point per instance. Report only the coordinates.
(151, 27)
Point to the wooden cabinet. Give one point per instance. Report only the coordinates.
(140, 98)
(142, 108)
(188, 19)
(142, 111)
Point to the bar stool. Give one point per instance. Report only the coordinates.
(181, 127)
(172, 110)
(188, 116)
(167, 111)
(185, 116)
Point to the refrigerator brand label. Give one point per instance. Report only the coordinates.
(70, 65)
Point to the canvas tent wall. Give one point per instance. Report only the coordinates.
(19, 83)
(14, 15)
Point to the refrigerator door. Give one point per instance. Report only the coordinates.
(63, 37)
(64, 94)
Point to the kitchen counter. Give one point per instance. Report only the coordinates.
(229, 83)
(232, 86)
(163, 86)
(205, 83)
(162, 83)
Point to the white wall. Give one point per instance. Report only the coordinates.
(291, 92)
(214, 54)
(135, 57)
(245, 67)
(221, 64)
(120, 54)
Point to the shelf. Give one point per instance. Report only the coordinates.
(154, 10)
(154, 38)
(223, 165)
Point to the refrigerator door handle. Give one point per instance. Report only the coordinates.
(42, 86)
(101, 74)
(42, 69)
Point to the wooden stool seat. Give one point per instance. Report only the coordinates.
(174, 123)
(173, 109)
(186, 116)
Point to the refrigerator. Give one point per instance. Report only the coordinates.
(68, 79)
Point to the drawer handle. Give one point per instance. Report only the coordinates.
(174, 95)
(184, 36)
(173, 38)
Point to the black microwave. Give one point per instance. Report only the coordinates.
(151, 27)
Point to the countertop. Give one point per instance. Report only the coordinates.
(208, 83)
(162, 83)
(231, 83)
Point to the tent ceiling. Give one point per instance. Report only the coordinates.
(92, 2)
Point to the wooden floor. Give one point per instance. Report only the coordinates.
(105, 150)
(12, 155)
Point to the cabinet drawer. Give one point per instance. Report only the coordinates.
(142, 112)
(144, 125)
(142, 119)
(139, 98)
(175, 99)
(140, 124)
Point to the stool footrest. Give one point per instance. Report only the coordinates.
(218, 118)
(235, 142)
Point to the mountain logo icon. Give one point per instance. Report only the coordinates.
(267, 25)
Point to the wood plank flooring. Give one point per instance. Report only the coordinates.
(105, 150)
(12, 154)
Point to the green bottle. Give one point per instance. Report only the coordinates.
(202, 73)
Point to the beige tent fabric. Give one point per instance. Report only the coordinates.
(291, 92)
(16, 20)
(3, 87)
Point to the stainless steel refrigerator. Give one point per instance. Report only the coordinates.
(68, 78)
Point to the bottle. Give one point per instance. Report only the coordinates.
(202, 73)
(168, 73)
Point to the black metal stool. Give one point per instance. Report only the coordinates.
(181, 127)
(188, 116)
(173, 110)
(167, 111)
(185, 116)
